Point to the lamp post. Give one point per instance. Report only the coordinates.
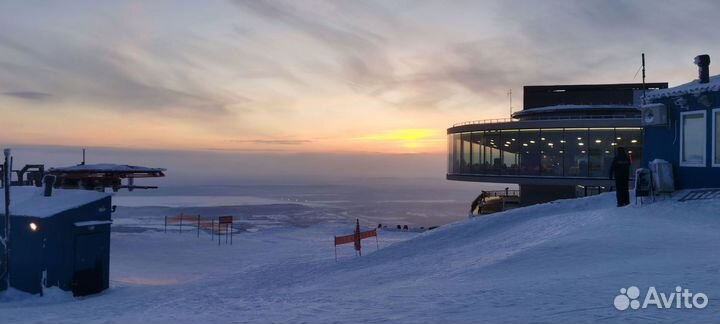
(6, 235)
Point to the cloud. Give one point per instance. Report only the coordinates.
(28, 95)
(359, 50)
(107, 77)
(275, 141)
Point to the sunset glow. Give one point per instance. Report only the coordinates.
(273, 76)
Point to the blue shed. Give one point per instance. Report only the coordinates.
(59, 240)
(686, 134)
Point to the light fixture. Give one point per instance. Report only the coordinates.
(562, 141)
(598, 141)
(633, 141)
(550, 144)
(613, 144)
(33, 227)
(532, 142)
(542, 138)
(525, 144)
(512, 139)
(619, 138)
(579, 138)
(630, 152)
(581, 144)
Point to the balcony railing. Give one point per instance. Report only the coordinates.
(510, 120)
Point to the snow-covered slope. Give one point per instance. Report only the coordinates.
(558, 262)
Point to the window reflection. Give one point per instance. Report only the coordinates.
(493, 158)
(576, 155)
(552, 148)
(466, 153)
(510, 151)
(529, 152)
(601, 151)
(476, 158)
(631, 140)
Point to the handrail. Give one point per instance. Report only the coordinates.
(486, 121)
(510, 120)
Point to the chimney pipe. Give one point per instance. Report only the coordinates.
(49, 182)
(703, 63)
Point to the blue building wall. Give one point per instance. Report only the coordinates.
(664, 142)
(54, 247)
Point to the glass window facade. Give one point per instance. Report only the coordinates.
(600, 151)
(477, 158)
(509, 146)
(529, 152)
(716, 137)
(466, 161)
(630, 139)
(553, 152)
(576, 154)
(692, 139)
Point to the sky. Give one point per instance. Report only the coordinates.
(320, 77)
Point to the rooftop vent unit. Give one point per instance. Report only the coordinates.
(654, 115)
(703, 63)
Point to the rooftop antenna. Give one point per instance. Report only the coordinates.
(643, 78)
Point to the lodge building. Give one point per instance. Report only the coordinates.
(558, 146)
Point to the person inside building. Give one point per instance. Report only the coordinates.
(620, 170)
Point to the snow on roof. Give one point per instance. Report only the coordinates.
(694, 87)
(30, 201)
(106, 167)
(571, 108)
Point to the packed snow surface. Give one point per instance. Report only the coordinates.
(557, 262)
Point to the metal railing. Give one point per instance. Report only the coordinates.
(510, 120)
(503, 193)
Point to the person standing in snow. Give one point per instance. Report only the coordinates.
(620, 170)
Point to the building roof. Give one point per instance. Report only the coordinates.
(30, 201)
(694, 87)
(572, 109)
(104, 168)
